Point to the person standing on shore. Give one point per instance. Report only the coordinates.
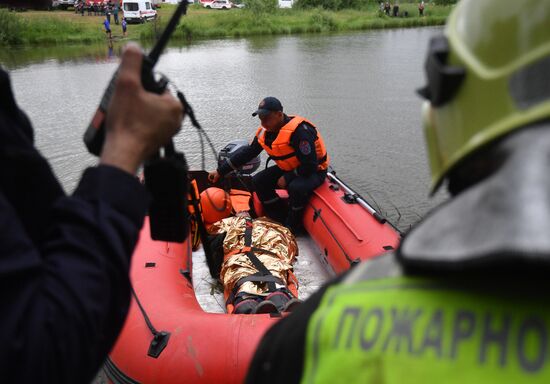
(124, 26)
(107, 26)
(395, 9)
(107, 10)
(421, 9)
(115, 13)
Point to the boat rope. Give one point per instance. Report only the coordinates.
(202, 134)
(115, 374)
(160, 338)
(378, 208)
(338, 215)
(189, 110)
(353, 197)
(145, 316)
(195, 199)
(318, 215)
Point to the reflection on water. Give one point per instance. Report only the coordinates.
(358, 89)
(257, 44)
(23, 56)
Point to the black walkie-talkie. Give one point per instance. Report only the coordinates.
(167, 180)
(166, 175)
(95, 134)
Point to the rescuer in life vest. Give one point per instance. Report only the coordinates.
(252, 258)
(464, 299)
(301, 159)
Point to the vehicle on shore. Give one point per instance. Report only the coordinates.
(64, 4)
(138, 11)
(286, 3)
(218, 4)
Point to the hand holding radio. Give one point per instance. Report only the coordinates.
(134, 119)
(139, 122)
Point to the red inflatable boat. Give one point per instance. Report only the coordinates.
(170, 338)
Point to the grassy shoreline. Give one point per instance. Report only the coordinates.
(35, 28)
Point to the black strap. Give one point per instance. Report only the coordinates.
(255, 278)
(283, 157)
(160, 338)
(203, 233)
(256, 249)
(250, 254)
(259, 278)
(263, 275)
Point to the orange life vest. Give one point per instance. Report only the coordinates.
(282, 152)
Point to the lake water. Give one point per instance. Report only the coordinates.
(359, 89)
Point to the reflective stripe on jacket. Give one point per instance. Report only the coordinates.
(284, 154)
(415, 330)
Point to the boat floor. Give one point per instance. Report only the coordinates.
(309, 268)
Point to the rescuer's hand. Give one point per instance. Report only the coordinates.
(138, 122)
(213, 177)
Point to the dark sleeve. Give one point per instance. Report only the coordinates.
(27, 180)
(303, 142)
(279, 357)
(242, 156)
(64, 303)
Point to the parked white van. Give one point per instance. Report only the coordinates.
(285, 3)
(64, 4)
(138, 11)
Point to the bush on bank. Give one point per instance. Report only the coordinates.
(261, 7)
(371, 5)
(248, 22)
(10, 32)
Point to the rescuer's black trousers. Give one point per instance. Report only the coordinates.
(299, 188)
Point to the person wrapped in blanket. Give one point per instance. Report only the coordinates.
(253, 258)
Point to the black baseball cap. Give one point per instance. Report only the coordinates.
(268, 104)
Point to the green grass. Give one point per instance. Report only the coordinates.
(240, 23)
(31, 28)
(61, 27)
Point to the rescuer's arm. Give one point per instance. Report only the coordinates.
(64, 300)
(303, 142)
(68, 298)
(142, 122)
(26, 178)
(241, 157)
